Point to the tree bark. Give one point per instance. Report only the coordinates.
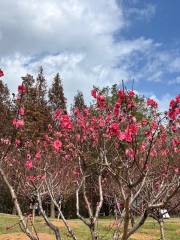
(52, 209)
(93, 232)
(49, 224)
(23, 223)
(126, 219)
(14, 211)
(161, 226)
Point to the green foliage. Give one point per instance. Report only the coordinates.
(79, 101)
(56, 94)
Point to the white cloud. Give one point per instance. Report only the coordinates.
(76, 38)
(142, 13)
(174, 81)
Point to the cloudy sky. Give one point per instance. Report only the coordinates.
(93, 42)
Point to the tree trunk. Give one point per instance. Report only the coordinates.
(161, 225)
(52, 210)
(33, 216)
(23, 223)
(14, 211)
(126, 219)
(93, 232)
(49, 224)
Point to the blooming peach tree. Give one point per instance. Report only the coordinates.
(120, 145)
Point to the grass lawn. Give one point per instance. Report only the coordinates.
(9, 229)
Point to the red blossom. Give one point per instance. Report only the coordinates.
(152, 103)
(65, 122)
(172, 103)
(114, 129)
(1, 73)
(133, 128)
(178, 98)
(21, 89)
(121, 94)
(94, 93)
(131, 93)
(101, 101)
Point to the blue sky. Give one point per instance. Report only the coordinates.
(162, 26)
(94, 42)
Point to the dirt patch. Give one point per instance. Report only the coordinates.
(61, 224)
(20, 236)
(142, 236)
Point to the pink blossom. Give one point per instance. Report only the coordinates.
(31, 178)
(57, 113)
(65, 122)
(38, 154)
(29, 164)
(143, 146)
(172, 103)
(21, 111)
(152, 103)
(114, 129)
(133, 128)
(18, 122)
(57, 145)
(17, 142)
(94, 93)
(78, 137)
(122, 136)
(154, 125)
(21, 89)
(131, 93)
(176, 170)
(43, 177)
(121, 94)
(1, 73)
(178, 98)
(101, 101)
(129, 153)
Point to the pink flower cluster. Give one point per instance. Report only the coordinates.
(174, 108)
(21, 89)
(152, 103)
(18, 122)
(57, 145)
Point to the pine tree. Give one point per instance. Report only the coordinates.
(5, 110)
(56, 94)
(79, 101)
(41, 86)
(37, 113)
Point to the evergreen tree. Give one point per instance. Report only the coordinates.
(41, 86)
(37, 113)
(56, 94)
(79, 101)
(5, 110)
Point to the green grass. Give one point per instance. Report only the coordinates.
(150, 230)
